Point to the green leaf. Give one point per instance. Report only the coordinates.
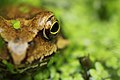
(9, 66)
(16, 24)
(99, 73)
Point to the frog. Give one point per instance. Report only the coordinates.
(29, 36)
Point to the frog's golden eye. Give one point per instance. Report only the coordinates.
(52, 31)
(54, 28)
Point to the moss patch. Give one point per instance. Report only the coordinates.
(16, 24)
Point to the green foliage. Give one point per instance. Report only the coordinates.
(10, 67)
(16, 2)
(43, 75)
(24, 9)
(30, 2)
(1, 42)
(92, 27)
(99, 73)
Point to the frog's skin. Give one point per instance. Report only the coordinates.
(37, 37)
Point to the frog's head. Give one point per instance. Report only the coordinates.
(28, 35)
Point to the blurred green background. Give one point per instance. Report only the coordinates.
(93, 29)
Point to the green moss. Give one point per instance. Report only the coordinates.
(1, 42)
(9, 66)
(16, 24)
(24, 9)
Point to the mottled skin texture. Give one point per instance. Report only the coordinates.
(27, 44)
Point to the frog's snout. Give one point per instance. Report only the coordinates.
(17, 51)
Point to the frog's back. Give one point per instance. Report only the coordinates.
(22, 11)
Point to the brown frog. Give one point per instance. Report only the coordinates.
(28, 35)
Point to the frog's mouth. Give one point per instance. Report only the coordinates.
(18, 51)
(22, 66)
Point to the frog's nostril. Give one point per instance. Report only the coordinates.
(31, 44)
(17, 39)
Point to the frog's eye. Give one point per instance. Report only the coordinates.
(55, 28)
(52, 31)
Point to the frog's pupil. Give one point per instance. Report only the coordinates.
(55, 27)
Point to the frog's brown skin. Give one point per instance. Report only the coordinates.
(29, 43)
